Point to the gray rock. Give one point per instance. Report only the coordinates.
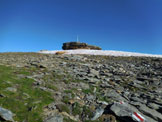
(12, 89)
(159, 90)
(147, 116)
(38, 82)
(102, 102)
(56, 118)
(144, 101)
(157, 102)
(26, 96)
(137, 85)
(153, 106)
(138, 82)
(2, 95)
(117, 78)
(115, 96)
(94, 72)
(121, 110)
(43, 88)
(90, 97)
(126, 94)
(106, 85)
(98, 113)
(84, 85)
(155, 82)
(125, 112)
(6, 114)
(92, 80)
(151, 113)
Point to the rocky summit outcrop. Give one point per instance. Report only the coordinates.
(78, 45)
(87, 88)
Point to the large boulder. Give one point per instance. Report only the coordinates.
(78, 45)
(129, 113)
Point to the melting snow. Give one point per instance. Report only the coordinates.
(101, 52)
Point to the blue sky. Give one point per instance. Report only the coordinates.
(126, 25)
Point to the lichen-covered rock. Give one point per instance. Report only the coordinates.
(78, 45)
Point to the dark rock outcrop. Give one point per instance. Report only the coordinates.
(78, 45)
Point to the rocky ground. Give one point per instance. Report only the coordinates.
(86, 88)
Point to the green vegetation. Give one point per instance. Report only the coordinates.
(51, 86)
(87, 111)
(68, 120)
(87, 91)
(63, 107)
(27, 102)
(71, 92)
(68, 91)
(66, 99)
(103, 98)
(92, 121)
(76, 109)
(46, 78)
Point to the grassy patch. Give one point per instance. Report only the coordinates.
(77, 110)
(92, 121)
(70, 79)
(71, 92)
(63, 107)
(66, 99)
(87, 111)
(51, 86)
(88, 91)
(68, 120)
(103, 98)
(27, 103)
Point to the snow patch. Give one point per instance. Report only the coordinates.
(101, 52)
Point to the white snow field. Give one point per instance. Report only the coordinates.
(101, 52)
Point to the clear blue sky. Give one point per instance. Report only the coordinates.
(126, 25)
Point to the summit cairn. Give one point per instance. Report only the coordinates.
(78, 45)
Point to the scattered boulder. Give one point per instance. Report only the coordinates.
(154, 106)
(98, 113)
(131, 113)
(126, 112)
(2, 95)
(151, 113)
(11, 89)
(6, 115)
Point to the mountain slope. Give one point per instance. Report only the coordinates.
(82, 87)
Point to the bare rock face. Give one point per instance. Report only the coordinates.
(78, 45)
